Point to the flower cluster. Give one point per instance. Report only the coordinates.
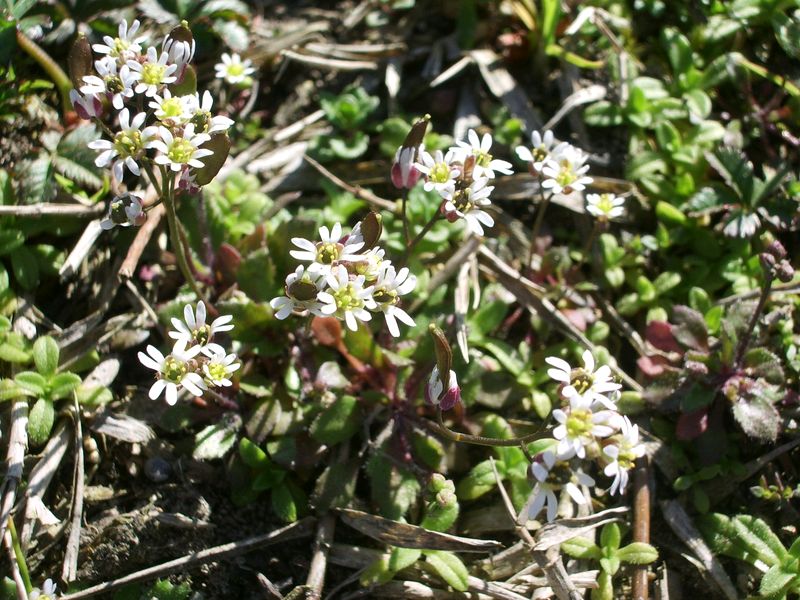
(461, 175)
(347, 277)
(161, 120)
(561, 167)
(47, 592)
(589, 428)
(196, 362)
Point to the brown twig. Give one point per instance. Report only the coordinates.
(357, 191)
(295, 530)
(641, 524)
(141, 240)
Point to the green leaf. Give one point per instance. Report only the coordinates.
(165, 590)
(402, 558)
(610, 536)
(487, 318)
(690, 327)
(480, 480)
(758, 418)
(582, 548)
(61, 385)
(763, 363)
(45, 355)
(736, 171)
(787, 32)
(31, 383)
(665, 282)
(759, 538)
(440, 518)
(336, 486)
(13, 354)
(699, 300)
(679, 51)
(338, 422)
(776, 582)
(214, 441)
(40, 421)
(253, 456)
(638, 553)
(669, 214)
(75, 160)
(394, 489)
(10, 239)
(603, 114)
(450, 568)
(25, 268)
(698, 103)
(283, 504)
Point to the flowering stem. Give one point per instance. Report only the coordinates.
(50, 66)
(406, 234)
(590, 242)
(21, 564)
(537, 224)
(745, 339)
(175, 237)
(421, 234)
(480, 440)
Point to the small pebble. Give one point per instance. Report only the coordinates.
(157, 469)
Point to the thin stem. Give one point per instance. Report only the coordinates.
(56, 73)
(537, 224)
(745, 339)
(23, 566)
(422, 233)
(175, 236)
(587, 249)
(153, 179)
(480, 440)
(406, 234)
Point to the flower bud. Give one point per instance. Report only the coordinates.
(784, 272)
(405, 174)
(767, 261)
(87, 106)
(125, 210)
(776, 249)
(437, 394)
(439, 482)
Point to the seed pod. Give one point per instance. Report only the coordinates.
(302, 290)
(181, 33)
(444, 355)
(80, 61)
(417, 133)
(371, 229)
(220, 145)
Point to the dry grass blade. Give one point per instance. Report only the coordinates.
(122, 427)
(296, 530)
(45, 209)
(69, 572)
(15, 456)
(404, 535)
(557, 532)
(684, 528)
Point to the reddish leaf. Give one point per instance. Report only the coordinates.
(226, 264)
(653, 366)
(691, 425)
(659, 333)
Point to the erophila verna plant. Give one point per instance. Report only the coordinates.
(253, 301)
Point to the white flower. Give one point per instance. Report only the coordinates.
(194, 330)
(86, 105)
(152, 74)
(435, 387)
(552, 474)
(48, 591)
(233, 69)
(605, 206)
(567, 172)
(179, 52)
(623, 455)
(541, 151)
(467, 204)
(586, 382)
(485, 165)
(177, 152)
(172, 110)
(219, 367)
(200, 114)
(118, 84)
(128, 145)
(125, 210)
(325, 254)
(579, 427)
(440, 170)
(347, 298)
(173, 371)
(388, 288)
(301, 294)
(125, 46)
(371, 263)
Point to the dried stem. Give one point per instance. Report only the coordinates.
(322, 544)
(69, 571)
(53, 209)
(480, 440)
(641, 524)
(17, 441)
